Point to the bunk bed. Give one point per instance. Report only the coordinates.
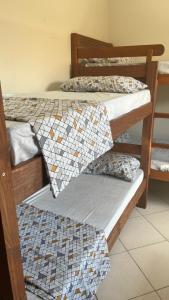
(16, 183)
(160, 151)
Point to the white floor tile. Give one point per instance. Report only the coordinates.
(161, 222)
(117, 248)
(154, 262)
(164, 293)
(155, 204)
(124, 281)
(138, 233)
(151, 296)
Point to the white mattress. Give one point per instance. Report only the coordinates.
(22, 139)
(163, 67)
(95, 199)
(160, 159)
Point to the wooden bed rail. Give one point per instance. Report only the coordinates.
(122, 51)
(136, 71)
(161, 115)
(78, 40)
(11, 273)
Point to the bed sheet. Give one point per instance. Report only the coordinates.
(82, 200)
(22, 140)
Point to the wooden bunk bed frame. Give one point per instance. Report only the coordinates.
(19, 182)
(163, 79)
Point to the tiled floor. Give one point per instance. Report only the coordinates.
(140, 258)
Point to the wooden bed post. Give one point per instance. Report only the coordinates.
(147, 131)
(12, 280)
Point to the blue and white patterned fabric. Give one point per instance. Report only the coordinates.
(62, 259)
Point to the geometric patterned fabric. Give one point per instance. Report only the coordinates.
(71, 134)
(62, 259)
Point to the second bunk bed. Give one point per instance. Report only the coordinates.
(100, 201)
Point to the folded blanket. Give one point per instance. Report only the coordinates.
(70, 133)
(62, 259)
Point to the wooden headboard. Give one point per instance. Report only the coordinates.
(81, 41)
(87, 47)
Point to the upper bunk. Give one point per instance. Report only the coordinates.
(83, 47)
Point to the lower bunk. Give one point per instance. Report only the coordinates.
(102, 201)
(10, 260)
(160, 164)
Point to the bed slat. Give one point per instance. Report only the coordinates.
(136, 71)
(122, 51)
(121, 124)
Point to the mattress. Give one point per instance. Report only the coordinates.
(22, 140)
(163, 67)
(160, 159)
(98, 200)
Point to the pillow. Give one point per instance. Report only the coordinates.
(123, 138)
(115, 164)
(103, 62)
(111, 84)
(98, 61)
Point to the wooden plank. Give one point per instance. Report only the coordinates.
(78, 40)
(124, 122)
(160, 145)
(124, 217)
(11, 273)
(28, 178)
(147, 131)
(163, 79)
(122, 51)
(159, 175)
(136, 71)
(127, 148)
(161, 115)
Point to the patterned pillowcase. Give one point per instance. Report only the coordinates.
(115, 164)
(98, 62)
(111, 84)
(123, 138)
(103, 62)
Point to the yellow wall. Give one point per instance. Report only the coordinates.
(140, 22)
(35, 39)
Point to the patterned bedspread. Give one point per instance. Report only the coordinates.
(71, 134)
(62, 259)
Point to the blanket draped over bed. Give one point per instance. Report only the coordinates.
(71, 134)
(62, 259)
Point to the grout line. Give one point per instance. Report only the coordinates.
(155, 212)
(147, 245)
(144, 295)
(139, 267)
(128, 251)
(155, 228)
(112, 254)
(164, 287)
(161, 289)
